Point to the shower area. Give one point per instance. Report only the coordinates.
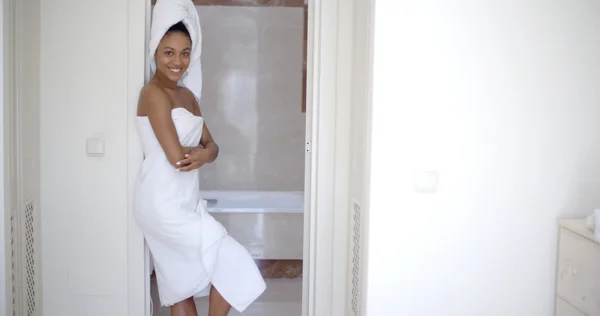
(253, 102)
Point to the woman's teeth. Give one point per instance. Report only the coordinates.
(175, 69)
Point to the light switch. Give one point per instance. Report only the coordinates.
(94, 147)
(426, 181)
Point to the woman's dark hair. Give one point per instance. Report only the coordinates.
(179, 27)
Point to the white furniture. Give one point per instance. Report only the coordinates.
(578, 273)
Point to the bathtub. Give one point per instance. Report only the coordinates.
(269, 224)
(254, 201)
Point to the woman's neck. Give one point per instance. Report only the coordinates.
(165, 82)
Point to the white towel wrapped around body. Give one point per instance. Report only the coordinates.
(166, 14)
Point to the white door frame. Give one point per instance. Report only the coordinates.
(328, 88)
(7, 94)
(4, 282)
(136, 283)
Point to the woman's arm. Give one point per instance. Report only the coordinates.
(206, 151)
(158, 110)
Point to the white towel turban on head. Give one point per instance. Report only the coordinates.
(166, 14)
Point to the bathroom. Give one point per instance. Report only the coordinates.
(253, 100)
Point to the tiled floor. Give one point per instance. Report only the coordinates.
(282, 297)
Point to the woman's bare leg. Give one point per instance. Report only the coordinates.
(184, 308)
(217, 305)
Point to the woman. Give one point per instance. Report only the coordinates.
(193, 255)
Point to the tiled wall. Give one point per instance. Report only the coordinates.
(252, 61)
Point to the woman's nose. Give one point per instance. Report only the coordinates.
(177, 61)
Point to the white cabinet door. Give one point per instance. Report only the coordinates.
(565, 309)
(579, 272)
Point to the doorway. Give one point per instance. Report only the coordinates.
(327, 112)
(253, 88)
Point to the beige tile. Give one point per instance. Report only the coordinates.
(252, 94)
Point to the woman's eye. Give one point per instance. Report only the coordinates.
(169, 53)
(186, 54)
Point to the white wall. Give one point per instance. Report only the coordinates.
(502, 99)
(85, 93)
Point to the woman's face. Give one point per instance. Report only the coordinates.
(173, 55)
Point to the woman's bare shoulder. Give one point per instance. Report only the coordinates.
(151, 91)
(151, 97)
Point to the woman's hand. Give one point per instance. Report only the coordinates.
(195, 157)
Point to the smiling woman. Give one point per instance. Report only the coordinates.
(192, 252)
